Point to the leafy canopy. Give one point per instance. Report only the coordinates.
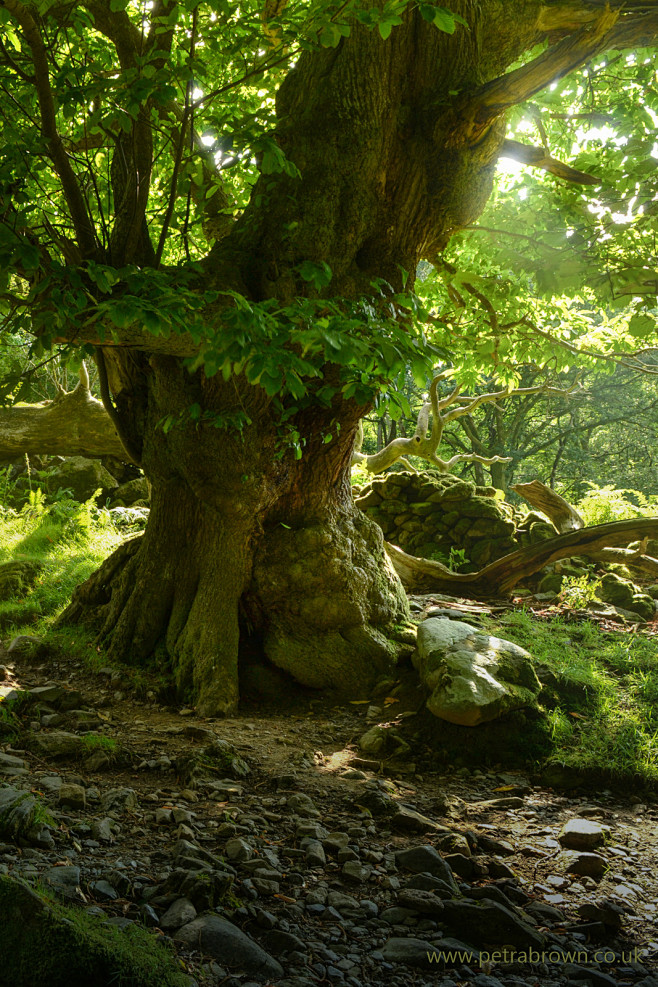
(553, 271)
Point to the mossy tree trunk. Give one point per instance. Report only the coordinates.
(392, 163)
(243, 539)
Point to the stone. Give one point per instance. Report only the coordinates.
(19, 813)
(181, 912)
(424, 902)
(583, 834)
(101, 829)
(239, 850)
(58, 744)
(425, 859)
(410, 952)
(66, 951)
(277, 941)
(120, 800)
(408, 820)
(315, 855)
(373, 741)
(9, 762)
(355, 871)
(609, 912)
(73, 796)
(472, 677)
(128, 493)
(617, 591)
(577, 862)
(489, 923)
(302, 805)
(82, 477)
(227, 943)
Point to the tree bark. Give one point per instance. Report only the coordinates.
(498, 578)
(391, 164)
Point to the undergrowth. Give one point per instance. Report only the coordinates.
(68, 540)
(600, 695)
(603, 708)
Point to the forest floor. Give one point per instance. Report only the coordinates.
(314, 839)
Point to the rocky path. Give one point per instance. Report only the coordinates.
(267, 851)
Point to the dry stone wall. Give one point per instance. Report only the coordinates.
(428, 514)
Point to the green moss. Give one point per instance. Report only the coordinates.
(43, 942)
(95, 741)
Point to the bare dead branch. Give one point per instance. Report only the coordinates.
(498, 578)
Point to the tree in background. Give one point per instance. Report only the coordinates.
(229, 207)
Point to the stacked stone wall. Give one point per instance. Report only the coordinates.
(428, 514)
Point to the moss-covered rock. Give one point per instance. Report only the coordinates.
(643, 605)
(472, 677)
(617, 591)
(83, 477)
(130, 493)
(551, 583)
(45, 943)
(17, 577)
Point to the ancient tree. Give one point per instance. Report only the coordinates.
(323, 150)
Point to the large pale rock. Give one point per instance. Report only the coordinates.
(583, 834)
(472, 677)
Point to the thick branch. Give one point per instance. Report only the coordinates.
(425, 447)
(625, 26)
(628, 557)
(537, 157)
(75, 424)
(498, 578)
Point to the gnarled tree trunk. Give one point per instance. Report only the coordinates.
(244, 540)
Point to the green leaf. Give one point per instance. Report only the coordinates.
(642, 325)
(444, 20)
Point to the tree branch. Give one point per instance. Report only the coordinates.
(537, 157)
(75, 200)
(626, 25)
(498, 578)
(75, 424)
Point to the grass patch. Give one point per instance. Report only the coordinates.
(69, 540)
(91, 742)
(601, 695)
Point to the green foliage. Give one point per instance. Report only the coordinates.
(602, 504)
(578, 591)
(97, 742)
(602, 713)
(70, 540)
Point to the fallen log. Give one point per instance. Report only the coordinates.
(556, 508)
(498, 578)
(74, 424)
